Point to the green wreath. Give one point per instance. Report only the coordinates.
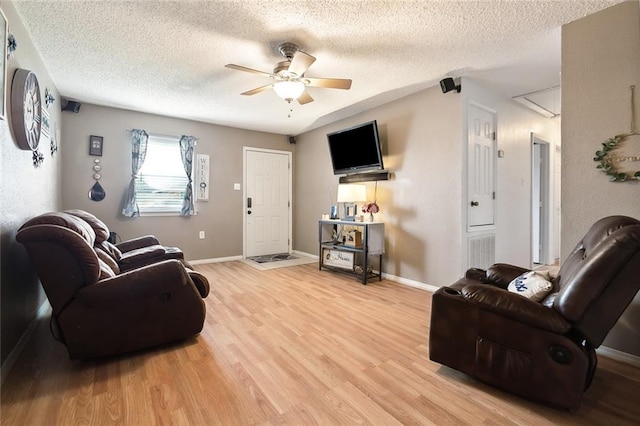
(605, 164)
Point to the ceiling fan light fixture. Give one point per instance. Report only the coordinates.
(289, 90)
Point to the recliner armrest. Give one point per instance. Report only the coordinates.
(476, 274)
(516, 307)
(143, 284)
(136, 243)
(501, 274)
(147, 255)
(200, 281)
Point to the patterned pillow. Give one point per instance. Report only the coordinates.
(532, 285)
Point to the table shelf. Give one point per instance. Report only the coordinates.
(338, 256)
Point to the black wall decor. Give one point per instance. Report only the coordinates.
(95, 145)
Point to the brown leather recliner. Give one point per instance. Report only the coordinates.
(543, 351)
(99, 310)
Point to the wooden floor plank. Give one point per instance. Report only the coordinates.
(290, 346)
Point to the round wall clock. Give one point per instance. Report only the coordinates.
(25, 109)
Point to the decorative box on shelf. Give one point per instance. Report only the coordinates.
(338, 258)
(353, 238)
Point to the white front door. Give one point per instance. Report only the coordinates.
(267, 202)
(481, 165)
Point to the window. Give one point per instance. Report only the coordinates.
(161, 182)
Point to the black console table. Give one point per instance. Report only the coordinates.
(343, 250)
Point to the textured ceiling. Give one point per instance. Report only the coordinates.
(168, 58)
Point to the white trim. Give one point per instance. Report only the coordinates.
(215, 260)
(619, 356)
(410, 283)
(8, 364)
(305, 254)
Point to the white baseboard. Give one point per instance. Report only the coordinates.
(214, 260)
(620, 356)
(8, 364)
(240, 257)
(410, 283)
(305, 254)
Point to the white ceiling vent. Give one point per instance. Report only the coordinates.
(545, 102)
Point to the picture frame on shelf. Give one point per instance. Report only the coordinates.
(95, 145)
(4, 33)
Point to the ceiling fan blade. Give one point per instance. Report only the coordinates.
(300, 63)
(245, 69)
(305, 98)
(329, 83)
(257, 90)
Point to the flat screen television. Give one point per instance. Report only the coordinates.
(356, 149)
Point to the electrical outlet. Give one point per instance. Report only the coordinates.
(201, 235)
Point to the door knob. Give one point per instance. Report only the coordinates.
(475, 204)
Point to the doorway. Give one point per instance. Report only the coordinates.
(541, 202)
(266, 202)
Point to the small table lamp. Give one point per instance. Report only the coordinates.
(350, 194)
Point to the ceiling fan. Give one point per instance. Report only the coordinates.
(290, 81)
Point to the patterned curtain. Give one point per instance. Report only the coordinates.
(186, 151)
(139, 140)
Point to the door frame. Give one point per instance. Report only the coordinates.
(546, 226)
(289, 155)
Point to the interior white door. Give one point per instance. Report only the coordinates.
(267, 204)
(556, 203)
(481, 166)
(536, 205)
(541, 201)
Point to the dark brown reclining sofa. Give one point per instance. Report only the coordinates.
(101, 305)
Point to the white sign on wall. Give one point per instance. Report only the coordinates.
(202, 177)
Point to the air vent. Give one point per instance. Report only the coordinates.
(482, 251)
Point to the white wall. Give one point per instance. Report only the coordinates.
(25, 192)
(600, 60)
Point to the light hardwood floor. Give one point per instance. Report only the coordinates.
(290, 346)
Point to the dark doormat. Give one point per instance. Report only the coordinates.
(272, 257)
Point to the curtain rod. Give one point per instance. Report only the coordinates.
(159, 135)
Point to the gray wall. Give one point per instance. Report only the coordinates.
(424, 145)
(600, 60)
(220, 217)
(420, 205)
(24, 192)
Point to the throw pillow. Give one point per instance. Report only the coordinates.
(532, 285)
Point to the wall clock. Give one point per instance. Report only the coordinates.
(26, 109)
